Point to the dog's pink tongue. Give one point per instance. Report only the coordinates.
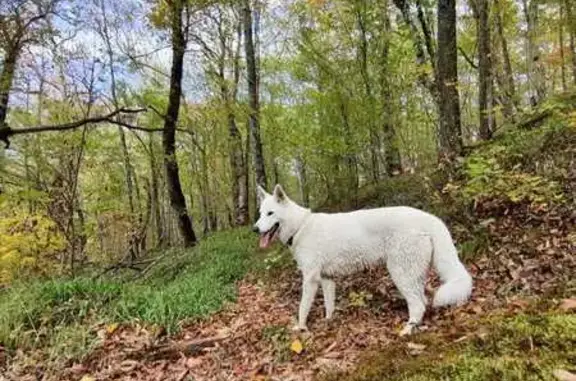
(264, 241)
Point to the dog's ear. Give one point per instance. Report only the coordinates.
(279, 193)
(261, 193)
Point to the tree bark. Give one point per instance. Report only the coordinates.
(511, 101)
(362, 57)
(155, 195)
(254, 117)
(177, 200)
(481, 10)
(450, 132)
(302, 180)
(561, 47)
(6, 79)
(392, 152)
(537, 90)
(237, 157)
(572, 37)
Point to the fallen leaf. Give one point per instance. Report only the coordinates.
(87, 377)
(111, 328)
(564, 375)
(568, 304)
(296, 346)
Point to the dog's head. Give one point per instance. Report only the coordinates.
(274, 209)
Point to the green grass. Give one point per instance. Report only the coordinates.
(524, 347)
(186, 285)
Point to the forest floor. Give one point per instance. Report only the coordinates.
(519, 325)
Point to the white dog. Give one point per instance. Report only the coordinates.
(325, 245)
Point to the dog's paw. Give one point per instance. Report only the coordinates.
(407, 330)
(299, 328)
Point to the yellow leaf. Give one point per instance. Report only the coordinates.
(296, 346)
(111, 328)
(87, 377)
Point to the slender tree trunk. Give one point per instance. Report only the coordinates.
(6, 79)
(302, 180)
(510, 88)
(237, 157)
(155, 194)
(177, 200)
(537, 90)
(561, 43)
(254, 118)
(362, 57)
(128, 171)
(482, 14)
(393, 159)
(572, 37)
(450, 131)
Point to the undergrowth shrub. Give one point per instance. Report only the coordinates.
(507, 167)
(29, 245)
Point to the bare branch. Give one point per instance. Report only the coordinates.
(467, 58)
(6, 131)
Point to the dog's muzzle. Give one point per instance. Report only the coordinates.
(255, 229)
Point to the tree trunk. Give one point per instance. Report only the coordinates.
(561, 47)
(482, 14)
(177, 200)
(128, 170)
(362, 57)
(155, 194)
(510, 88)
(302, 181)
(237, 158)
(572, 37)
(450, 132)
(393, 159)
(536, 83)
(254, 118)
(6, 79)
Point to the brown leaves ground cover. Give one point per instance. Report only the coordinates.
(531, 253)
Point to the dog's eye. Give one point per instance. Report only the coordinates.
(270, 213)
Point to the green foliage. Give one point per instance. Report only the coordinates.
(40, 313)
(505, 168)
(279, 338)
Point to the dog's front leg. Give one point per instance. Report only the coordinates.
(309, 289)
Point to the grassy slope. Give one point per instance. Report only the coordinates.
(59, 315)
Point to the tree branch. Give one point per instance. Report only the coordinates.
(6, 131)
(468, 59)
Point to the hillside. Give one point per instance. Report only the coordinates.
(223, 311)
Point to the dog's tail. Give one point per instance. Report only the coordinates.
(456, 281)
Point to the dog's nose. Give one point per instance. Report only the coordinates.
(255, 229)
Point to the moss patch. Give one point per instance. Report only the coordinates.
(523, 347)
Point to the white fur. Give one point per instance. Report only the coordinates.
(405, 239)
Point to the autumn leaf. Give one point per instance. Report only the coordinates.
(87, 377)
(111, 328)
(296, 346)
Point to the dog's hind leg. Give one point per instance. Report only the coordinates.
(408, 267)
(329, 291)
